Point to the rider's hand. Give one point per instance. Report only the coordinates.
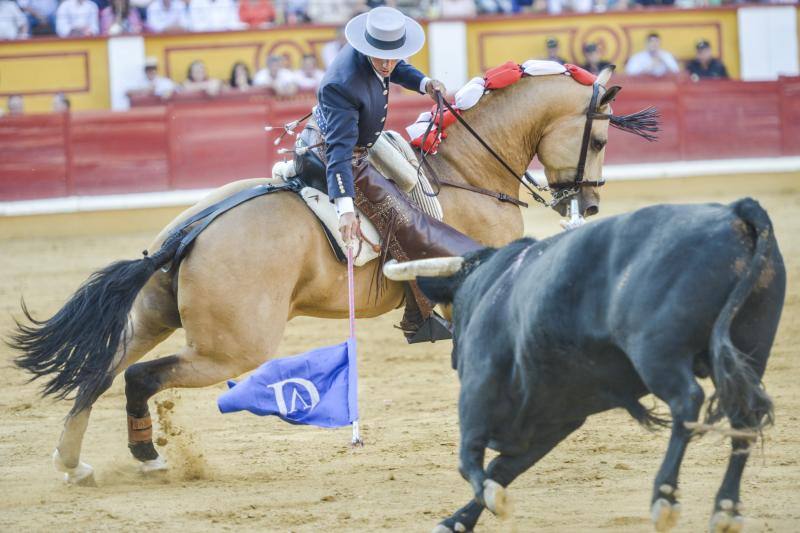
(435, 85)
(348, 226)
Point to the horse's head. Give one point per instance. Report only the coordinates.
(572, 146)
(561, 145)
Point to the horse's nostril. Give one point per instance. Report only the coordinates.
(591, 210)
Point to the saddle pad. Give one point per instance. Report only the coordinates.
(325, 211)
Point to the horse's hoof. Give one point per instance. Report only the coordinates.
(82, 474)
(727, 519)
(665, 514)
(154, 465)
(496, 499)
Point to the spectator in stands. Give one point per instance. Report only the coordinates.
(296, 11)
(256, 13)
(309, 75)
(197, 80)
(13, 22)
(156, 85)
(61, 103)
(213, 15)
(327, 12)
(167, 16)
(593, 62)
(458, 8)
(494, 7)
(77, 18)
(277, 77)
(704, 65)
(119, 18)
(240, 79)
(41, 15)
(552, 51)
(15, 105)
(332, 48)
(652, 61)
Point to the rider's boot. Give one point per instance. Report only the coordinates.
(408, 234)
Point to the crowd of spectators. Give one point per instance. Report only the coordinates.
(22, 18)
(276, 77)
(652, 61)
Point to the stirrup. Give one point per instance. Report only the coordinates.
(435, 328)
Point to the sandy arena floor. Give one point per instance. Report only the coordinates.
(240, 472)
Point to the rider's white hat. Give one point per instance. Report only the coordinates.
(385, 33)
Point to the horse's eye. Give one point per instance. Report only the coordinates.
(598, 144)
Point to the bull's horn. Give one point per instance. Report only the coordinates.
(438, 267)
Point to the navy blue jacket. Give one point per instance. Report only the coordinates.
(353, 102)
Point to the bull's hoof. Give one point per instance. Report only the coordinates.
(154, 465)
(496, 499)
(727, 518)
(82, 474)
(665, 514)
(445, 527)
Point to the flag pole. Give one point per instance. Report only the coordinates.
(351, 300)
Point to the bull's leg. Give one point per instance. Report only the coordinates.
(504, 469)
(672, 381)
(727, 516)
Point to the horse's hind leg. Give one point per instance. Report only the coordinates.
(152, 322)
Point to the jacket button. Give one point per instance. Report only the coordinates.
(383, 119)
(369, 144)
(385, 106)
(377, 133)
(385, 92)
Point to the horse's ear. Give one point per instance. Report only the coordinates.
(605, 74)
(611, 93)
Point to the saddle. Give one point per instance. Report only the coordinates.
(391, 155)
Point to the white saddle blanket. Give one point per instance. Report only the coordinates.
(393, 157)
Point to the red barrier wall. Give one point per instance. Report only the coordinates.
(196, 143)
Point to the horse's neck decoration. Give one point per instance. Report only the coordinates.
(499, 77)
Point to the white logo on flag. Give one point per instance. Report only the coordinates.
(296, 401)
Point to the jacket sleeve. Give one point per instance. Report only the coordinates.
(408, 76)
(341, 115)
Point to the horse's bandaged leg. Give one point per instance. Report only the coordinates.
(140, 429)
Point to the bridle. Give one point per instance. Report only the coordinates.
(558, 192)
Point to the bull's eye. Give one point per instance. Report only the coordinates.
(598, 144)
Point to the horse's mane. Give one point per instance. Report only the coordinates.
(643, 123)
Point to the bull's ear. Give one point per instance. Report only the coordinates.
(439, 290)
(609, 96)
(605, 74)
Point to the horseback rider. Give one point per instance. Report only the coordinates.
(353, 99)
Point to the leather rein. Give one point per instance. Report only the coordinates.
(559, 192)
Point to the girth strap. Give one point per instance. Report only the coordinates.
(209, 214)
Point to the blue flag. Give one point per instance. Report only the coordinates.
(318, 387)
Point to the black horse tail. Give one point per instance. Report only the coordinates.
(78, 344)
(739, 391)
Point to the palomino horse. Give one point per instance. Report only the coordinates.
(267, 261)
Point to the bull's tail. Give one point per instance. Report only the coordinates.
(78, 344)
(739, 391)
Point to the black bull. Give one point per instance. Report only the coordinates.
(549, 332)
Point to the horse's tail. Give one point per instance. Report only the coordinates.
(79, 342)
(739, 391)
